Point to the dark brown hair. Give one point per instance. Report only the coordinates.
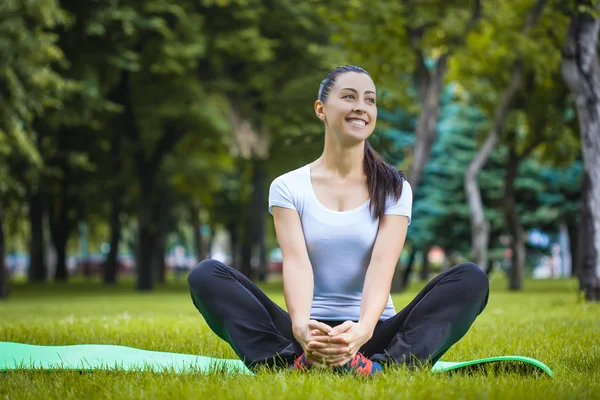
(383, 180)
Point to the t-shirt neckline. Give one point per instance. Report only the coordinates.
(321, 206)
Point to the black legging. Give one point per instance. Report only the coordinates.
(260, 332)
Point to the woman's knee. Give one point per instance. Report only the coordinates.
(474, 276)
(202, 274)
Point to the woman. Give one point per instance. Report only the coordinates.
(341, 222)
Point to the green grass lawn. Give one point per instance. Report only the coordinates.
(546, 321)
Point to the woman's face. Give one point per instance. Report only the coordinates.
(350, 110)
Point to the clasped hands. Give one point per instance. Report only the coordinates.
(325, 346)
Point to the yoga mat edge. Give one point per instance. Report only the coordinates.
(14, 356)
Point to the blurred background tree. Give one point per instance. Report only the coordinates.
(139, 138)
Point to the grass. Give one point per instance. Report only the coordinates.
(546, 321)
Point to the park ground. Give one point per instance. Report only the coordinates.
(546, 321)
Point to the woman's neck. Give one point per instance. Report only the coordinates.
(339, 160)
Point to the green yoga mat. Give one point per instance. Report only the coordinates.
(87, 357)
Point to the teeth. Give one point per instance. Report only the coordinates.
(357, 122)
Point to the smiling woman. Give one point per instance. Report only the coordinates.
(341, 222)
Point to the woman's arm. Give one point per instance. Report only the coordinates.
(298, 283)
(376, 290)
(298, 288)
(378, 281)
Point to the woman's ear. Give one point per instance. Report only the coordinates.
(320, 110)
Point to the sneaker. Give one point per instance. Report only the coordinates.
(302, 363)
(362, 366)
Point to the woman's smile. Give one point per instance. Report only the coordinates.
(357, 122)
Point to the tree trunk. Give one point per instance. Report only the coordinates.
(574, 243)
(245, 259)
(196, 226)
(424, 273)
(60, 244)
(409, 268)
(480, 227)
(565, 250)
(401, 279)
(581, 72)
(425, 132)
(158, 257)
(162, 220)
(589, 283)
(60, 226)
(263, 259)
(116, 206)
(430, 85)
(259, 211)
(59, 230)
(110, 268)
(146, 236)
(234, 240)
(254, 229)
(37, 266)
(4, 278)
(211, 240)
(511, 217)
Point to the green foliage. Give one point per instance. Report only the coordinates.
(440, 209)
(190, 65)
(30, 84)
(546, 196)
(394, 40)
(484, 65)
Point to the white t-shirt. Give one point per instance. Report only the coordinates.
(339, 243)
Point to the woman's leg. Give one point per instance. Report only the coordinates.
(258, 330)
(437, 318)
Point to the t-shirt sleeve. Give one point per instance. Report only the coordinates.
(404, 204)
(280, 195)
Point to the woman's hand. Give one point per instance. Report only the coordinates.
(353, 336)
(332, 347)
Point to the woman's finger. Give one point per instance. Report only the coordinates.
(319, 358)
(329, 339)
(312, 324)
(341, 328)
(330, 351)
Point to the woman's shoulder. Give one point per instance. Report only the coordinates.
(293, 177)
(287, 190)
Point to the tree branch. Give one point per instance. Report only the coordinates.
(525, 153)
(164, 145)
(475, 17)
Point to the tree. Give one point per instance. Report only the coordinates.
(479, 225)
(581, 72)
(440, 207)
(163, 45)
(30, 87)
(418, 38)
(266, 49)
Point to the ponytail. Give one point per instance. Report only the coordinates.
(383, 181)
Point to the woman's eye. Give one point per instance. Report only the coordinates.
(371, 100)
(348, 96)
